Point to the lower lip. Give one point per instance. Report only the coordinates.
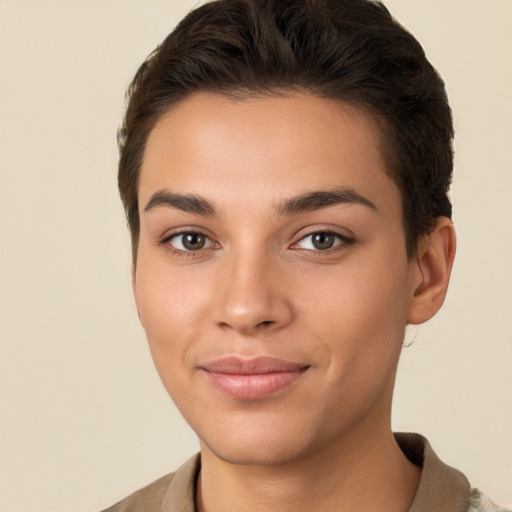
(253, 386)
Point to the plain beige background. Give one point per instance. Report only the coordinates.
(84, 419)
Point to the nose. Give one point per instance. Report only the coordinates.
(251, 297)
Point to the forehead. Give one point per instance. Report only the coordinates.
(264, 148)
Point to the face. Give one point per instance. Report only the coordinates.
(272, 278)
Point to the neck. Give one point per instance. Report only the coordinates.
(364, 472)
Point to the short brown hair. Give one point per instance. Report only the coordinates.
(352, 50)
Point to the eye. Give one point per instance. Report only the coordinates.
(191, 241)
(321, 241)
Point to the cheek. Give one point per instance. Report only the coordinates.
(171, 307)
(365, 342)
(170, 312)
(166, 294)
(361, 310)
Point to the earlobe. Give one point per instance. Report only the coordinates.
(433, 262)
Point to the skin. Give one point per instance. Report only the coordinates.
(259, 286)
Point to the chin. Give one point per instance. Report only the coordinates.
(258, 443)
(259, 455)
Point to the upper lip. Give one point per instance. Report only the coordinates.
(236, 365)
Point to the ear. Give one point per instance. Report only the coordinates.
(432, 268)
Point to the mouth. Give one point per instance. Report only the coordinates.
(252, 379)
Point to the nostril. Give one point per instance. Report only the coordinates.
(265, 322)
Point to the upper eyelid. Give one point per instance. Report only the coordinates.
(316, 231)
(184, 231)
(332, 231)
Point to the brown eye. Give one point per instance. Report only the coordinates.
(193, 241)
(323, 241)
(190, 241)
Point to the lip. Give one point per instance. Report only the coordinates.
(254, 378)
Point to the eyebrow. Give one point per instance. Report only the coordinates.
(190, 203)
(316, 200)
(307, 202)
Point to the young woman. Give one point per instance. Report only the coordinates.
(284, 168)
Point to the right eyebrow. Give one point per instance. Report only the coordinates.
(189, 203)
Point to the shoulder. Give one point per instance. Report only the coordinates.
(479, 502)
(147, 499)
(175, 491)
(441, 487)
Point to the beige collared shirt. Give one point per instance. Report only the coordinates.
(441, 488)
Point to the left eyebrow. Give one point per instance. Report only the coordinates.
(316, 200)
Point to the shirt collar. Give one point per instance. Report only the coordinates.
(441, 487)
(180, 495)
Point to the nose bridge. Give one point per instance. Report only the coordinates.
(250, 295)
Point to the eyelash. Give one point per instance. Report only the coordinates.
(343, 242)
(166, 241)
